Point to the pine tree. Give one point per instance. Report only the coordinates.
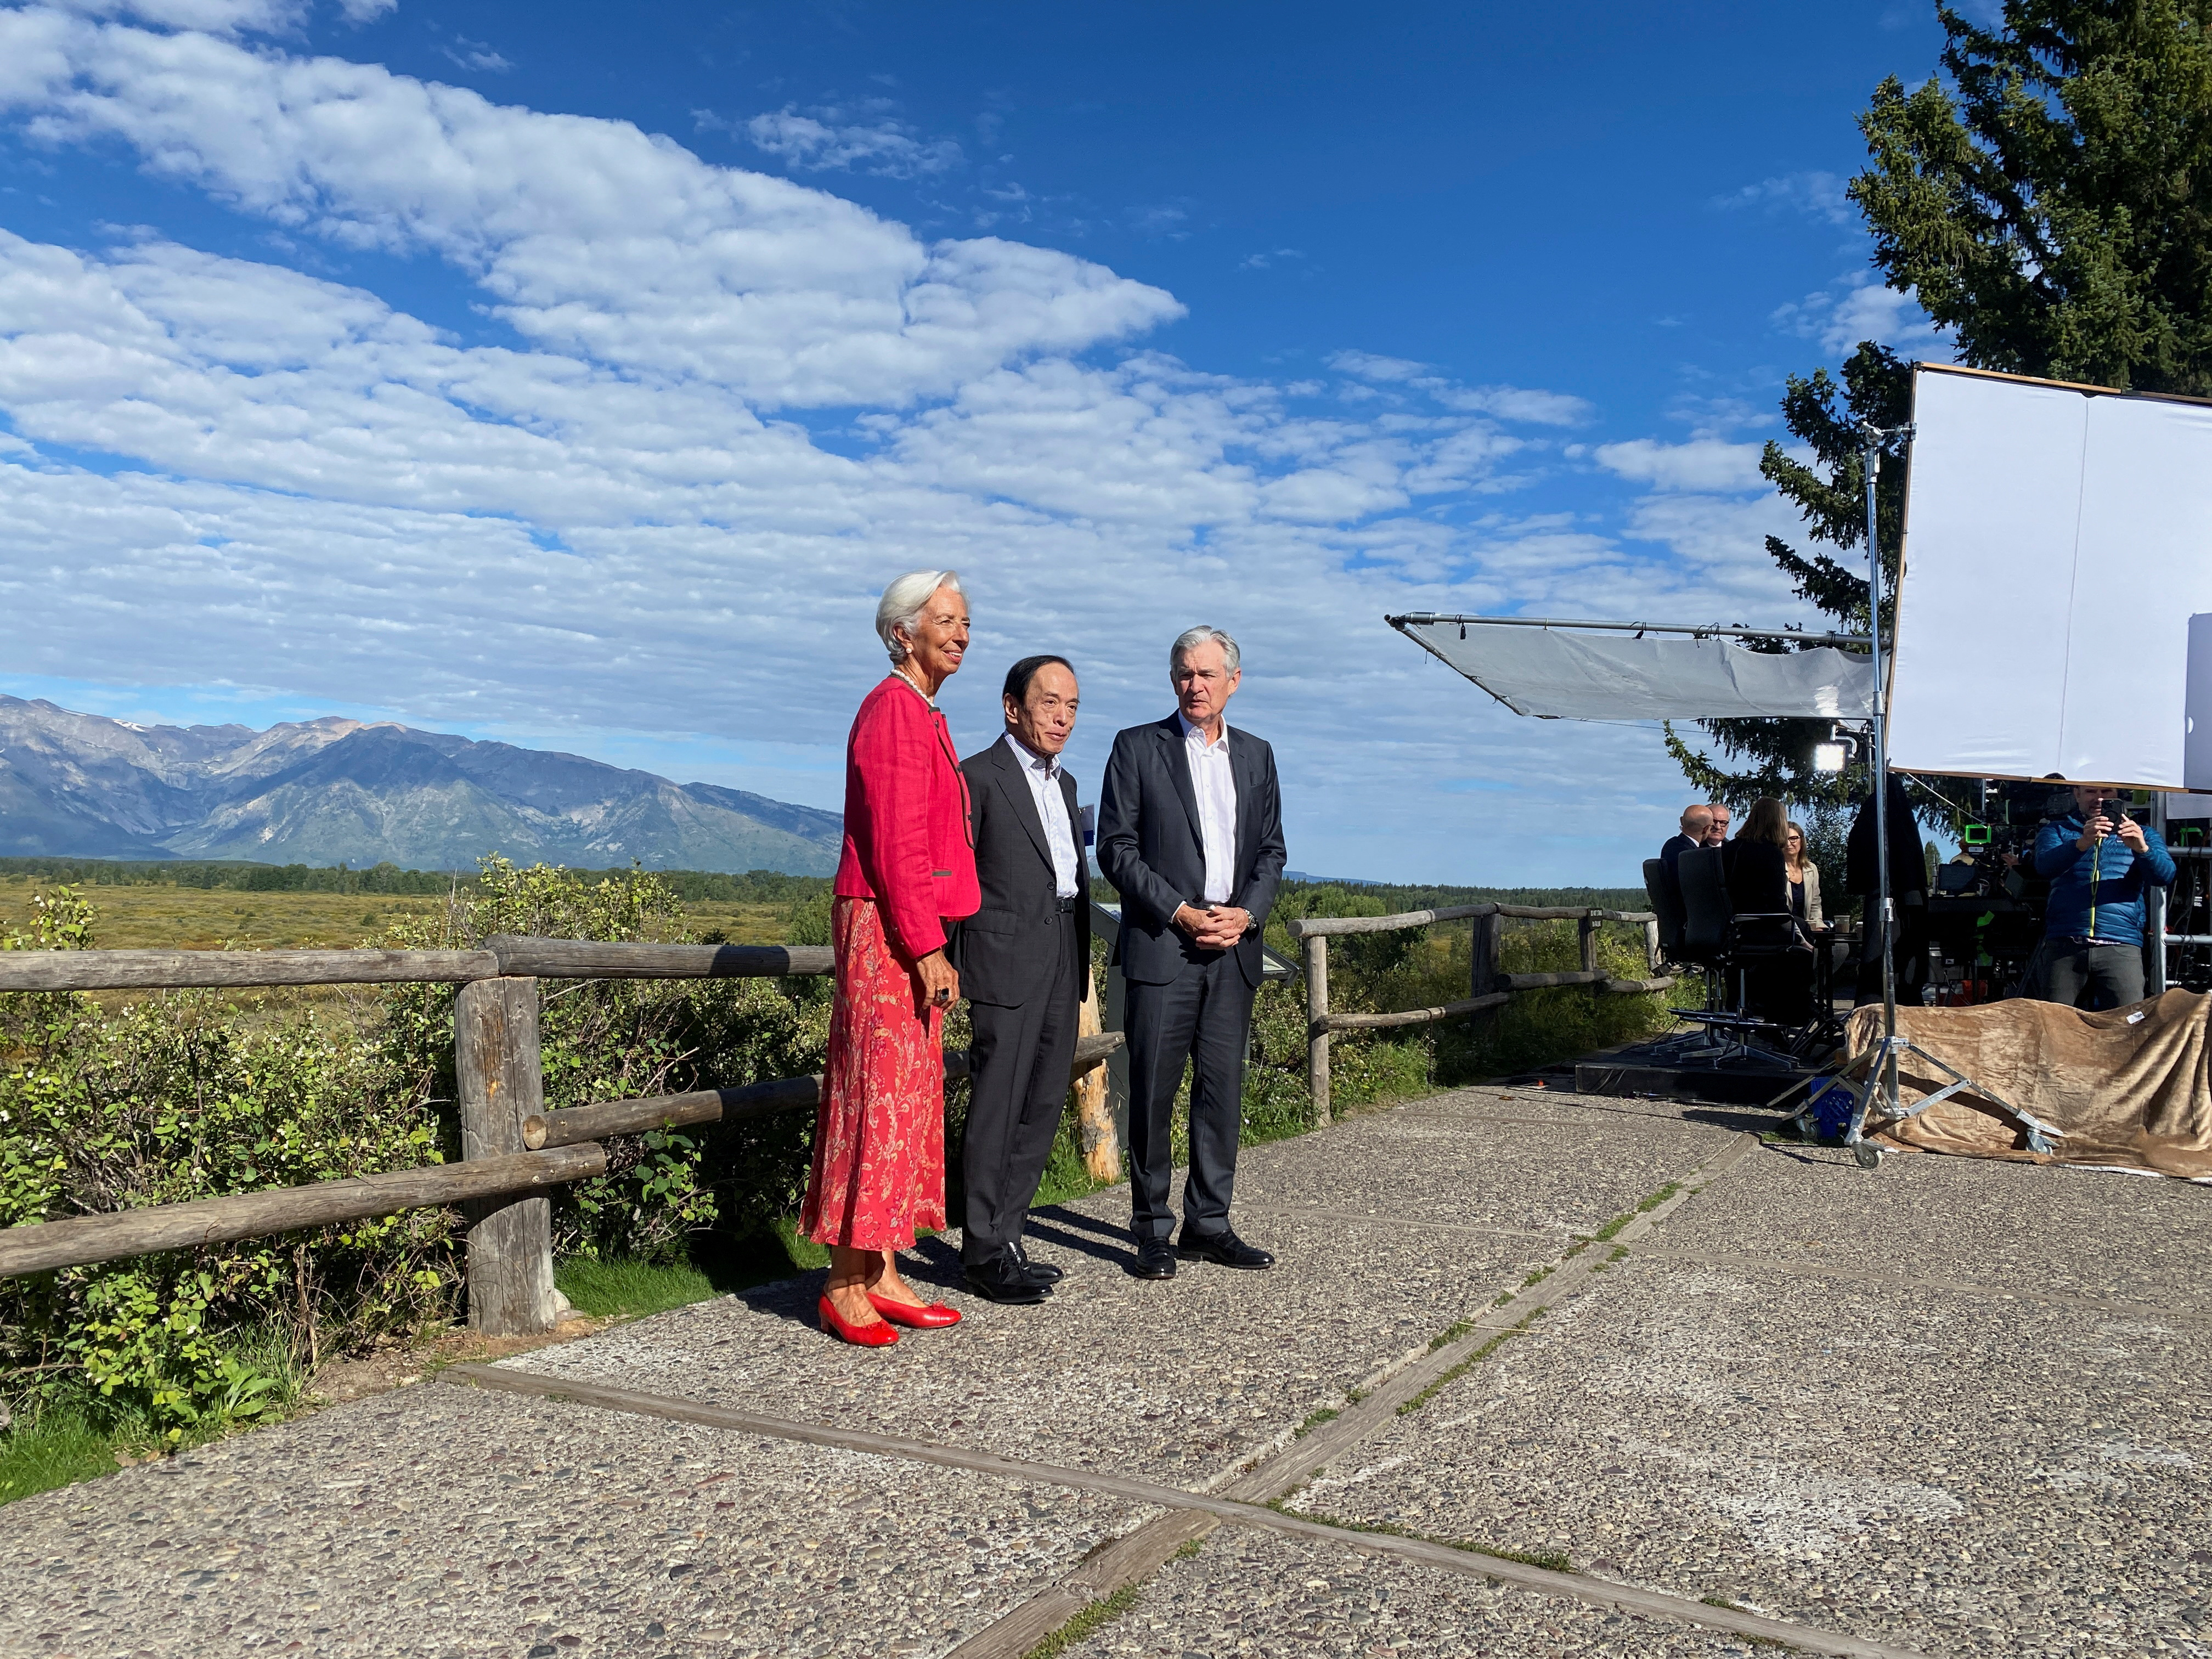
(2048, 198)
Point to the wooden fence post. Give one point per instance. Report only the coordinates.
(1651, 952)
(501, 1081)
(1482, 965)
(1317, 953)
(1482, 969)
(1094, 1113)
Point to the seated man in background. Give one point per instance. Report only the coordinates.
(1696, 820)
(2098, 860)
(1716, 823)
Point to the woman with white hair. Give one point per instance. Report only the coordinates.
(908, 867)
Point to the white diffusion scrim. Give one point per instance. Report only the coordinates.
(1591, 675)
(2058, 542)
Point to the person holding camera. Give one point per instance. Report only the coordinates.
(2099, 861)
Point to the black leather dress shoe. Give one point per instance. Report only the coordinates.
(1224, 1249)
(1155, 1259)
(1040, 1272)
(1001, 1279)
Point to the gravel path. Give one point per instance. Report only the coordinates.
(440, 1520)
(1911, 1460)
(1248, 1593)
(1955, 1473)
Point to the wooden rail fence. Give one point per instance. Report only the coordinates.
(1487, 988)
(512, 1148)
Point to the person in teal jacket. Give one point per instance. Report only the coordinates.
(2098, 862)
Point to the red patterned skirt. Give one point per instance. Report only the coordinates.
(879, 1136)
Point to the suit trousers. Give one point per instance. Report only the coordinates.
(1203, 1015)
(1017, 1086)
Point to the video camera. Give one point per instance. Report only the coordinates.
(2012, 813)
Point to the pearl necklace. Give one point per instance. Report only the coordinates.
(899, 669)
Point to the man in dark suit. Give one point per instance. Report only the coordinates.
(1024, 961)
(1697, 822)
(1190, 831)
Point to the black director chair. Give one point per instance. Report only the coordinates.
(1734, 946)
(1702, 1044)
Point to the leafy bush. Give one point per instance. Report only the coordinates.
(186, 1095)
(174, 1099)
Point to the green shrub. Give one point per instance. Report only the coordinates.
(625, 1040)
(185, 1095)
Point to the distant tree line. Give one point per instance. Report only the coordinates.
(242, 878)
(693, 886)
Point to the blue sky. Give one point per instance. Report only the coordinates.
(576, 376)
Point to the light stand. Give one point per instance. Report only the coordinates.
(1881, 1081)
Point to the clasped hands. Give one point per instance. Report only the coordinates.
(1217, 929)
(2098, 826)
(936, 983)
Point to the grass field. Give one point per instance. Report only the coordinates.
(157, 916)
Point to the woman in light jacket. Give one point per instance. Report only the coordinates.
(908, 867)
(1804, 879)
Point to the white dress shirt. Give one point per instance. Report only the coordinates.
(1042, 773)
(1210, 776)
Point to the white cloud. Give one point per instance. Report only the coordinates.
(1508, 401)
(1266, 261)
(210, 16)
(590, 235)
(831, 137)
(1368, 366)
(1700, 464)
(476, 54)
(358, 12)
(1514, 402)
(1818, 195)
(1855, 308)
(609, 528)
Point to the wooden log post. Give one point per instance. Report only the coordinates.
(1094, 1113)
(1651, 952)
(501, 1082)
(1482, 964)
(1316, 954)
(1586, 932)
(1482, 974)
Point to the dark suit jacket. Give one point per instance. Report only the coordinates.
(1004, 949)
(1675, 847)
(1149, 846)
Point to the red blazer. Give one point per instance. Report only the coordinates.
(907, 840)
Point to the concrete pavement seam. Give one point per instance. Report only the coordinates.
(1134, 1489)
(1398, 1386)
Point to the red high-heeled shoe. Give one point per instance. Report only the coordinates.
(934, 1317)
(878, 1335)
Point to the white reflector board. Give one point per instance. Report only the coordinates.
(1583, 674)
(2057, 542)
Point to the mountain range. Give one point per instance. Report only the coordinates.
(335, 791)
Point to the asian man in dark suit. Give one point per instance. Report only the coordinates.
(1024, 963)
(1190, 831)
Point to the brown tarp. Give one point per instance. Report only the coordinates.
(2128, 1086)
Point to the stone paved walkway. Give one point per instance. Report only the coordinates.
(1943, 1408)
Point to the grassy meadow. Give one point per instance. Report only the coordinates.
(159, 916)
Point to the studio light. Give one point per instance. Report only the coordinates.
(1829, 756)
